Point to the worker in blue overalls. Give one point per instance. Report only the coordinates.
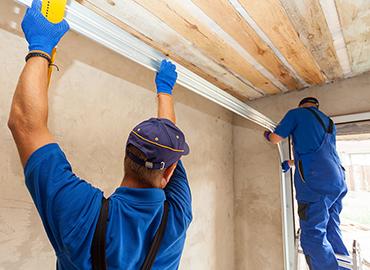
(319, 181)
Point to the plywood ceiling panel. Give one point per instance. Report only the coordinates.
(242, 32)
(310, 23)
(252, 48)
(271, 17)
(176, 14)
(355, 20)
(139, 22)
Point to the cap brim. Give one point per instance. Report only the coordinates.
(186, 149)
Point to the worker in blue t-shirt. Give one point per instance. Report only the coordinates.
(319, 181)
(70, 208)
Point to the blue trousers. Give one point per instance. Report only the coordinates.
(321, 237)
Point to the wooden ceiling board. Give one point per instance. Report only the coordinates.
(146, 27)
(243, 33)
(310, 23)
(354, 17)
(271, 17)
(176, 15)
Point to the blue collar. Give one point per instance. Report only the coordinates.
(141, 195)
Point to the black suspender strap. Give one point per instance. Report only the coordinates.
(98, 243)
(149, 260)
(331, 123)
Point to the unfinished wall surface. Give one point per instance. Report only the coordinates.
(342, 97)
(258, 233)
(95, 100)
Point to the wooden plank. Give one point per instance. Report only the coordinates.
(240, 30)
(178, 17)
(140, 23)
(271, 17)
(310, 23)
(355, 20)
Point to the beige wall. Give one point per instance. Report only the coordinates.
(258, 233)
(95, 100)
(342, 97)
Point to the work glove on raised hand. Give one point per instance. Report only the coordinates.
(285, 166)
(166, 77)
(41, 34)
(267, 134)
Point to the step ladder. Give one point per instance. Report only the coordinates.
(353, 262)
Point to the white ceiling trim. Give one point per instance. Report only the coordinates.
(332, 18)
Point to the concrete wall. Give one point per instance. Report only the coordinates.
(342, 97)
(96, 98)
(258, 233)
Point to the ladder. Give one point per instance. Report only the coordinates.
(353, 262)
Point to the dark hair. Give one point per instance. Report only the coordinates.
(147, 176)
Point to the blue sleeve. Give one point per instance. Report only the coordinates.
(178, 194)
(67, 205)
(287, 125)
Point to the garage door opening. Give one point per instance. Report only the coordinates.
(354, 151)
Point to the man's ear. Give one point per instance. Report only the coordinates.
(167, 175)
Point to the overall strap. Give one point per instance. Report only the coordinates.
(149, 260)
(98, 243)
(331, 123)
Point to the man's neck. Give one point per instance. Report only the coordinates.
(132, 182)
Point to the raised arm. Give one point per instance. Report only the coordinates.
(165, 81)
(29, 111)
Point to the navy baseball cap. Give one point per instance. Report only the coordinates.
(309, 99)
(161, 142)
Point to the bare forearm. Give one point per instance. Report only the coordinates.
(166, 107)
(29, 111)
(275, 139)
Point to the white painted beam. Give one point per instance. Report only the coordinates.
(332, 18)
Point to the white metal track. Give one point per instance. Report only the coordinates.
(97, 28)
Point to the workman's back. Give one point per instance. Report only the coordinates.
(69, 208)
(306, 130)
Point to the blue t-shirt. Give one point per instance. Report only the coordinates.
(69, 208)
(305, 128)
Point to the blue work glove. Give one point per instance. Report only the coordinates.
(285, 166)
(267, 134)
(166, 77)
(41, 34)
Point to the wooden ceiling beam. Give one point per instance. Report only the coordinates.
(272, 18)
(140, 23)
(246, 36)
(310, 23)
(176, 15)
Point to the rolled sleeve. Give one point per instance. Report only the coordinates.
(286, 125)
(68, 206)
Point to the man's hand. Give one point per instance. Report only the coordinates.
(166, 77)
(286, 165)
(41, 34)
(267, 134)
(272, 137)
(165, 81)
